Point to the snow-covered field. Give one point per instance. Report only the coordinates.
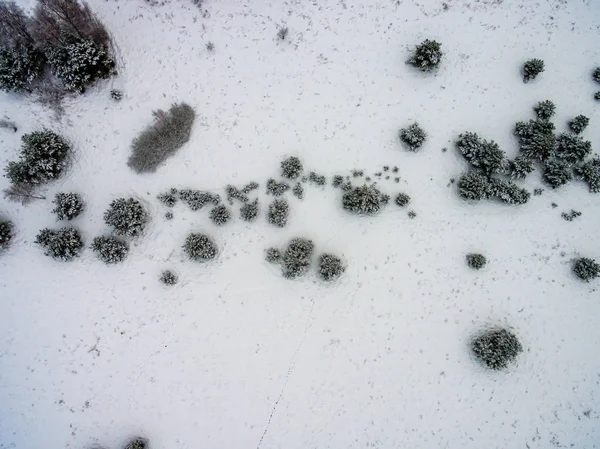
(236, 356)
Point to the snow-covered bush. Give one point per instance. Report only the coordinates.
(68, 205)
(78, 62)
(276, 188)
(116, 94)
(250, 187)
(402, 199)
(532, 68)
(220, 215)
(413, 136)
(572, 148)
(62, 244)
(43, 158)
(169, 215)
(519, 167)
(330, 267)
(126, 216)
(19, 67)
(291, 167)
(137, 443)
(169, 198)
(110, 249)
(536, 139)
(278, 214)
(161, 140)
(167, 277)
(249, 211)
(5, 233)
(579, 123)
(496, 348)
(273, 255)
(297, 257)
(337, 181)
(571, 215)
(590, 173)
(200, 247)
(233, 193)
(544, 109)
(412, 214)
(475, 186)
(196, 200)
(596, 74)
(317, 179)
(282, 33)
(508, 192)
(298, 191)
(363, 200)
(586, 269)
(476, 261)
(427, 56)
(557, 173)
(480, 153)
(597, 95)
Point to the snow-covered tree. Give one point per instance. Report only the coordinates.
(572, 148)
(137, 443)
(220, 215)
(68, 205)
(596, 74)
(196, 200)
(63, 244)
(475, 186)
(426, 56)
(476, 261)
(413, 137)
(544, 110)
(579, 123)
(402, 199)
(291, 167)
(297, 257)
(167, 277)
(590, 173)
(200, 247)
(110, 249)
(5, 233)
(557, 173)
(482, 154)
(169, 198)
(519, 167)
(364, 200)
(249, 211)
(532, 68)
(19, 67)
(586, 269)
(276, 188)
(330, 267)
(127, 216)
(317, 179)
(273, 255)
(536, 139)
(279, 211)
(508, 192)
(496, 348)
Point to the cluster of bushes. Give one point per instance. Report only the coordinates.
(496, 348)
(586, 269)
(63, 38)
(413, 137)
(364, 200)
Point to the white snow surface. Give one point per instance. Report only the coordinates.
(235, 356)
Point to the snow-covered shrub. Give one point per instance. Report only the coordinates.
(110, 249)
(68, 205)
(519, 167)
(363, 200)
(220, 215)
(297, 257)
(557, 173)
(233, 193)
(317, 179)
(571, 215)
(413, 136)
(279, 211)
(476, 261)
(402, 199)
(200, 247)
(116, 94)
(276, 188)
(169, 198)
(161, 140)
(282, 33)
(427, 56)
(596, 74)
(43, 158)
(508, 192)
(298, 191)
(412, 214)
(169, 215)
(19, 67)
(196, 200)
(330, 267)
(78, 62)
(496, 348)
(480, 153)
(475, 186)
(62, 244)
(126, 216)
(337, 181)
(590, 173)
(544, 109)
(579, 123)
(572, 148)
(586, 269)
(210, 46)
(250, 187)
(5, 233)
(167, 277)
(536, 139)
(346, 186)
(249, 211)
(597, 95)
(273, 255)
(291, 167)
(532, 68)
(137, 443)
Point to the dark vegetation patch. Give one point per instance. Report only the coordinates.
(496, 348)
(586, 269)
(476, 261)
(296, 259)
(291, 168)
(127, 217)
(196, 200)
(413, 137)
(532, 68)
(62, 244)
(168, 277)
(331, 267)
(364, 200)
(427, 56)
(68, 205)
(278, 213)
(200, 247)
(220, 215)
(249, 211)
(276, 188)
(110, 249)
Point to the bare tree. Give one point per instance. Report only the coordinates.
(21, 193)
(15, 26)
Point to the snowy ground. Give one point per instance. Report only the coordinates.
(235, 356)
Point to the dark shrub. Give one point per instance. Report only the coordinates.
(536, 139)
(298, 191)
(571, 215)
(233, 193)
(330, 267)
(557, 173)
(62, 244)
(276, 188)
(579, 123)
(363, 200)
(250, 187)
(282, 33)
(402, 199)
(427, 56)
(43, 158)
(196, 200)
(413, 137)
(337, 181)
(476, 261)
(519, 167)
(249, 211)
(5, 234)
(116, 94)
(169, 198)
(167, 277)
(480, 153)
(475, 186)
(544, 110)
(220, 215)
(597, 95)
(412, 214)
(137, 443)
(200, 247)
(297, 257)
(273, 255)
(586, 269)
(278, 214)
(161, 140)
(572, 148)
(532, 68)
(496, 348)
(596, 74)
(110, 249)
(317, 179)
(126, 216)
(508, 192)
(19, 68)
(68, 205)
(291, 168)
(590, 173)
(169, 215)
